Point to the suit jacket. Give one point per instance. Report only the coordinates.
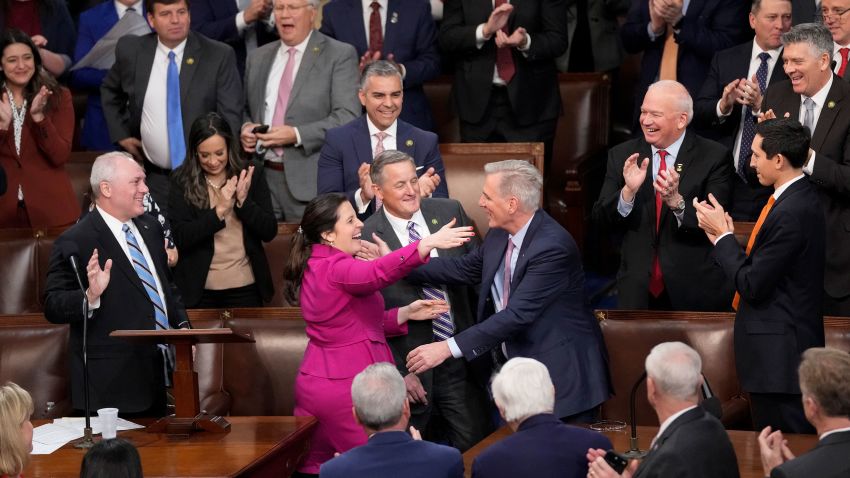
(410, 35)
(831, 142)
(691, 279)
(216, 19)
(726, 66)
(533, 91)
(555, 449)
(209, 81)
(708, 27)
(827, 460)
(605, 43)
(194, 231)
(348, 146)
(392, 454)
(121, 374)
(546, 317)
(694, 445)
(780, 289)
(804, 11)
(324, 95)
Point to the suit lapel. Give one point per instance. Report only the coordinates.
(144, 63)
(390, 27)
(258, 93)
(778, 72)
(681, 166)
(110, 249)
(151, 242)
(646, 189)
(354, 12)
(385, 231)
(362, 141)
(311, 55)
(404, 141)
(522, 260)
(492, 258)
(191, 58)
(828, 113)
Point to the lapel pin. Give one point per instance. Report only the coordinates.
(190, 61)
(316, 49)
(394, 19)
(434, 222)
(678, 167)
(408, 143)
(830, 105)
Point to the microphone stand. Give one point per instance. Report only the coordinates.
(634, 452)
(86, 441)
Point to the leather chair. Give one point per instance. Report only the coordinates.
(19, 293)
(277, 253)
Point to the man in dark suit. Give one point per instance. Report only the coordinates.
(128, 286)
(825, 382)
(690, 441)
(731, 96)
(805, 11)
(531, 300)
(400, 31)
(695, 35)
(506, 84)
(777, 278)
(665, 258)
(135, 92)
(449, 391)
(242, 24)
(807, 53)
(348, 150)
(381, 407)
(525, 396)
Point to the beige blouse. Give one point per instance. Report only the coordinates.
(230, 267)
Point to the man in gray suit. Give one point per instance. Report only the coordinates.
(449, 390)
(298, 87)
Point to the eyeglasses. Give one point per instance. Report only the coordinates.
(835, 15)
(291, 8)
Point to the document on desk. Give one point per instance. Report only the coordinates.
(50, 437)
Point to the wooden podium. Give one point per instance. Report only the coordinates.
(188, 417)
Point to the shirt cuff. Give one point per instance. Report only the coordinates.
(455, 350)
(527, 44)
(479, 36)
(721, 237)
(652, 35)
(297, 137)
(623, 207)
(679, 216)
(240, 22)
(358, 201)
(809, 168)
(719, 113)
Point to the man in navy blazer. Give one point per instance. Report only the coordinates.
(381, 407)
(244, 29)
(531, 301)
(409, 39)
(778, 278)
(349, 149)
(525, 396)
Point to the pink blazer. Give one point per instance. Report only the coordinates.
(344, 310)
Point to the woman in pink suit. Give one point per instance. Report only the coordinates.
(346, 321)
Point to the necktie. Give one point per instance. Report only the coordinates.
(844, 53)
(376, 36)
(809, 116)
(506, 279)
(748, 132)
(379, 148)
(656, 279)
(283, 91)
(669, 57)
(129, 9)
(176, 142)
(504, 58)
(442, 325)
(764, 212)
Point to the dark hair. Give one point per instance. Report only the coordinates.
(320, 216)
(787, 137)
(40, 77)
(150, 3)
(190, 175)
(113, 458)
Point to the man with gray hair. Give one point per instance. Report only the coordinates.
(349, 149)
(128, 286)
(817, 98)
(525, 396)
(382, 409)
(690, 441)
(531, 301)
(649, 185)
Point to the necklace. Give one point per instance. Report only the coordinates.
(213, 185)
(18, 116)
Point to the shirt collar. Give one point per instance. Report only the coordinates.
(178, 50)
(520, 235)
(367, 4)
(299, 47)
(673, 149)
(670, 420)
(114, 225)
(820, 97)
(774, 54)
(391, 130)
(781, 189)
(120, 8)
(837, 430)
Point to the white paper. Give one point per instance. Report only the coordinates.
(79, 423)
(102, 54)
(50, 437)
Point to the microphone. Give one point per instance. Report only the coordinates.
(634, 452)
(710, 403)
(71, 253)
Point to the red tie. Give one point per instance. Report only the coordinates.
(844, 53)
(656, 280)
(764, 211)
(376, 36)
(504, 58)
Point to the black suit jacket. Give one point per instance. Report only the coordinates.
(691, 279)
(831, 142)
(827, 460)
(779, 315)
(194, 233)
(694, 445)
(209, 81)
(533, 91)
(804, 11)
(121, 374)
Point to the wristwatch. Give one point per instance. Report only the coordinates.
(680, 206)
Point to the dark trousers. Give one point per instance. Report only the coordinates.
(780, 411)
(157, 181)
(247, 296)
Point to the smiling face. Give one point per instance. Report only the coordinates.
(212, 154)
(382, 97)
(123, 195)
(772, 19)
(346, 233)
(808, 71)
(399, 189)
(294, 20)
(836, 13)
(18, 64)
(171, 22)
(765, 167)
(660, 119)
(499, 208)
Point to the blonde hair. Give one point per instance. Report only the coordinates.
(15, 408)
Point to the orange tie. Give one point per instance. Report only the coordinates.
(764, 211)
(669, 57)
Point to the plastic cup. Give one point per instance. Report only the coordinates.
(108, 422)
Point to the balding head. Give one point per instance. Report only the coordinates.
(118, 184)
(666, 111)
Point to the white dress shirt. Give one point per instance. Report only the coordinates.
(273, 84)
(154, 125)
(390, 143)
(367, 15)
(121, 9)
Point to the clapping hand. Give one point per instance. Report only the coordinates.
(227, 198)
(428, 183)
(38, 104)
(5, 112)
(774, 450)
(243, 185)
(712, 219)
(517, 39)
(667, 185)
(497, 20)
(633, 175)
(366, 191)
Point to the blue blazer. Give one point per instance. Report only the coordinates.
(553, 448)
(392, 454)
(216, 19)
(546, 317)
(348, 146)
(410, 35)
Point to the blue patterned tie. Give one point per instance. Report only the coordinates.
(146, 276)
(442, 325)
(176, 143)
(748, 133)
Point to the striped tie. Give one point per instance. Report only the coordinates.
(442, 325)
(144, 272)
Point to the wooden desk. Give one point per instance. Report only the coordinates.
(255, 446)
(745, 443)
